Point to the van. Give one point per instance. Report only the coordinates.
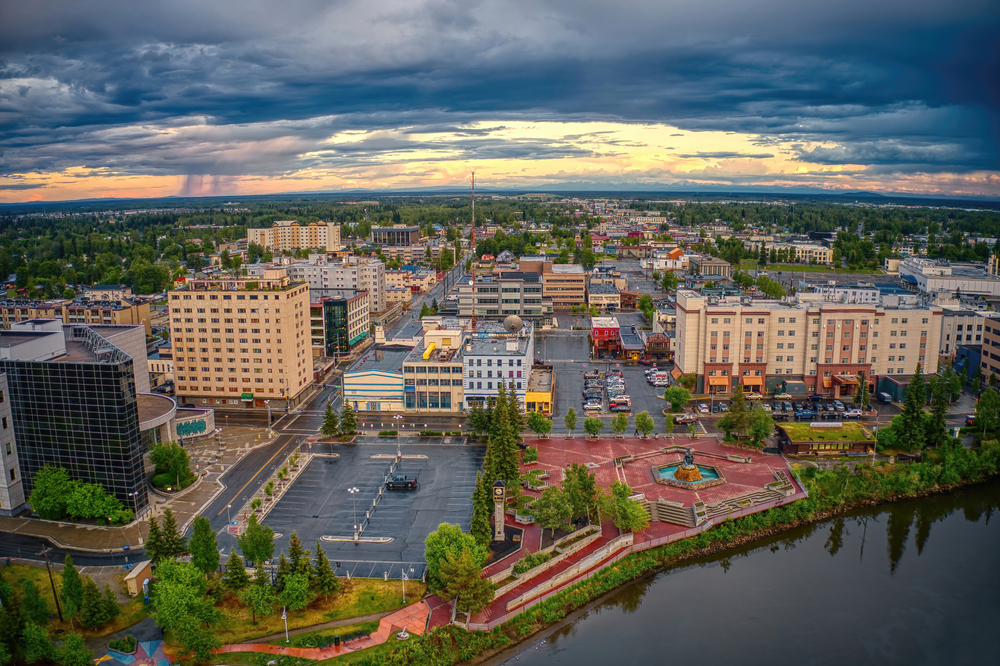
(884, 397)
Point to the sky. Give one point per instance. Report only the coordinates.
(104, 98)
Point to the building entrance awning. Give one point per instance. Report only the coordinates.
(718, 381)
(246, 397)
(753, 381)
(848, 380)
(827, 382)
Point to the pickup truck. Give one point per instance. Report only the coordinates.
(805, 415)
(684, 419)
(401, 482)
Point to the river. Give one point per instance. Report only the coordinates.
(914, 582)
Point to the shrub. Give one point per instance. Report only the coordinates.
(125, 645)
(430, 433)
(530, 561)
(530, 455)
(388, 433)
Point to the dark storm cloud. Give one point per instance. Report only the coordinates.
(899, 83)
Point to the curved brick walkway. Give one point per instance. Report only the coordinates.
(414, 618)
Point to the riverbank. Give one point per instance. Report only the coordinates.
(831, 492)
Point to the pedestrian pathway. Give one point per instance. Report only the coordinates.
(413, 619)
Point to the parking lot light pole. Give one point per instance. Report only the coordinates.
(229, 518)
(355, 501)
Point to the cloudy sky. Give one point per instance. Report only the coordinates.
(105, 98)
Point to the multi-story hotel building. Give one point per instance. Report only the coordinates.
(241, 340)
(120, 312)
(800, 346)
(289, 235)
(356, 273)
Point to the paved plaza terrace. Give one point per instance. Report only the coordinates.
(746, 478)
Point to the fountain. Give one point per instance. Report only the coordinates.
(687, 474)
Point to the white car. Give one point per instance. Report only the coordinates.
(754, 396)
(783, 396)
(592, 406)
(765, 406)
(852, 414)
(702, 408)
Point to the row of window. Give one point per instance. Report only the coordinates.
(489, 385)
(489, 362)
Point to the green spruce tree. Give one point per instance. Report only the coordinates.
(94, 611)
(236, 576)
(331, 423)
(324, 576)
(174, 545)
(204, 549)
(154, 541)
(72, 590)
(348, 419)
(482, 507)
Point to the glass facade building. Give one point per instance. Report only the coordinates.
(80, 412)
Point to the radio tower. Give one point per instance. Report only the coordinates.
(473, 245)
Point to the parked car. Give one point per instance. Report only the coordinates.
(838, 405)
(766, 407)
(783, 396)
(715, 409)
(830, 408)
(970, 419)
(805, 415)
(852, 414)
(645, 361)
(723, 407)
(684, 419)
(754, 396)
(702, 408)
(816, 397)
(592, 406)
(775, 407)
(787, 406)
(884, 397)
(798, 406)
(401, 482)
(779, 416)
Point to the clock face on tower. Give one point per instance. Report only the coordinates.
(498, 493)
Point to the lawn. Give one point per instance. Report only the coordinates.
(132, 611)
(804, 432)
(358, 597)
(325, 636)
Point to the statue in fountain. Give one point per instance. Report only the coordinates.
(689, 458)
(688, 471)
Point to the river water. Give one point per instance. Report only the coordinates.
(914, 582)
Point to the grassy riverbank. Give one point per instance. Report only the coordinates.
(830, 492)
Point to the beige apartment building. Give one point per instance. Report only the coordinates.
(241, 341)
(800, 346)
(290, 235)
(804, 253)
(121, 312)
(565, 284)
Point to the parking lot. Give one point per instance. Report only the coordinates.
(318, 504)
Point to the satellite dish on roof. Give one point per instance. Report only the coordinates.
(513, 324)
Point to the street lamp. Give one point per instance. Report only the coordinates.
(355, 501)
(229, 518)
(268, 403)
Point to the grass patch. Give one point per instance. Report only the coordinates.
(370, 655)
(253, 659)
(357, 598)
(808, 268)
(532, 478)
(326, 636)
(132, 611)
(804, 432)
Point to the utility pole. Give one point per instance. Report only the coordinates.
(51, 581)
(473, 242)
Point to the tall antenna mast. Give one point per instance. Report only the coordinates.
(473, 245)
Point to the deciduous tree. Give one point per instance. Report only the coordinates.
(260, 599)
(619, 423)
(644, 423)
(539, 424)
(448, 539)
(570, 420)
(461, 578)
(593, 426)
(553, 509)
(257, 542)
(677, 396)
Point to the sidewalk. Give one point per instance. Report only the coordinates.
(206, 459)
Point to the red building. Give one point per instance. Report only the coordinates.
(604, 334)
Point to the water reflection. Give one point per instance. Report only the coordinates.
(911, 600)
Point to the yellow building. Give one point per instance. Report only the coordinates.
(289, 235)
(241, 340)
(539, 395)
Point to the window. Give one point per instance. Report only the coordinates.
(781, 333)
(781, 320)
(760, 320)
(791, 320)
(715, 320)
(779, 359)
(781, 345)
(749, 320)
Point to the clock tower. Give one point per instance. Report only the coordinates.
(499, 505)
